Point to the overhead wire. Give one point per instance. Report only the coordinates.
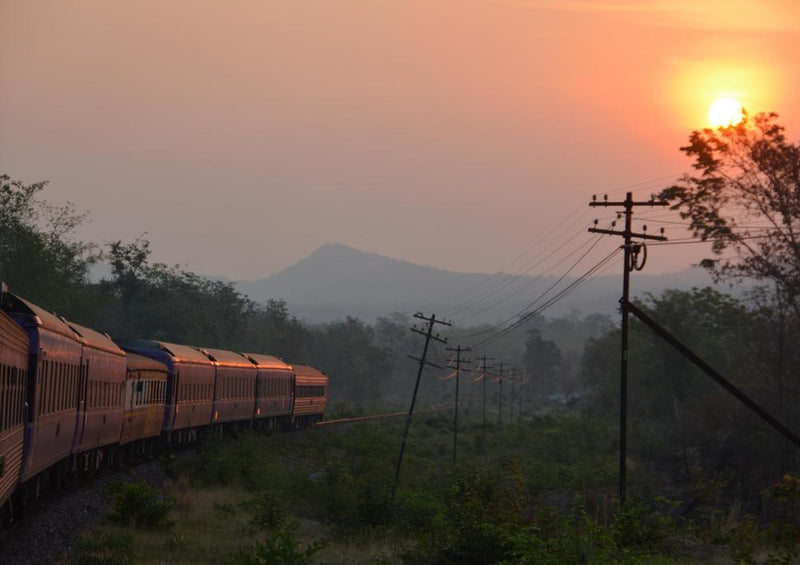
(459, 303)
(522, 317)
(542, 295)
(555, 237)
(532, 280)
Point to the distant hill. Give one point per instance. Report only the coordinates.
(336, 281)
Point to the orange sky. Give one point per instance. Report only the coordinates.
(242, 135)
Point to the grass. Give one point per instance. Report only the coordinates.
(538, 492)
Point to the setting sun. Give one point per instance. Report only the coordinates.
(725, 112)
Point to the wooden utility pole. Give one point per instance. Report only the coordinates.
(428, 333)
(484, 375)
(631, 263)
(458, 350)
(511, 378)
(500, 405)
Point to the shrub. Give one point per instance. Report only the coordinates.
(280, 547)
(103, 548)
(269, 510)
(139, 504)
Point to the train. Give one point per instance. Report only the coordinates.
(73, 399)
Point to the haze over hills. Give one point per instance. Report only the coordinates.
(336, 281)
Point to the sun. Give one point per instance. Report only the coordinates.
(725, 112)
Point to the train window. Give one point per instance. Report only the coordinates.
(51, 386)
(57, 387)
(62, 393)
(52, 371)
(5, 398)
(63, 397)
(42, 387)
(10, 396)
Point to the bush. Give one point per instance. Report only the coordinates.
(280, 547)
(140, 505)
(269, 510)
(103, 548)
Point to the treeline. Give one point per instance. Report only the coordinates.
(42, 261)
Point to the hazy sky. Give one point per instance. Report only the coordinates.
(241, 135)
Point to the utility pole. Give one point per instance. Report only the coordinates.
(500, 408)
(511, 377)
(631, 263)
(484, 373)
(458, 360)
(428, 333)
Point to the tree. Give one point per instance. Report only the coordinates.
(39, 258)
(745, 200)
(542, 360)
(348, 351)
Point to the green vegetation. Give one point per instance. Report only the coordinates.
(140, 505)
(535, 491)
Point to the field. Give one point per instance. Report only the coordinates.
(541, 491)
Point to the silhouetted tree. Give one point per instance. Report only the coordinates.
(39, 257)
(542, 360)
(745, 198)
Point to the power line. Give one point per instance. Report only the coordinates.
(564, 230)
(532, 281)
(540, 297)
(525, 316)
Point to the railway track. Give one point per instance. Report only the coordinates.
(373, 417)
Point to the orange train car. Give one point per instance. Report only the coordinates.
(235, 389)
(103, 370)
(274, 391)
(54, 376)
(190, 386)
(145, 394)
(13, 376)
(310, 395)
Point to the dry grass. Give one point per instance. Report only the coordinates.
(211, 526)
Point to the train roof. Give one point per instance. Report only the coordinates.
(42, 317)
(179, 353)
(96, 340)
(268, 361)
(138, 362)
(12, 336)
(228, 358)
(308, 371)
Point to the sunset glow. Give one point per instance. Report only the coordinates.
(724, 112)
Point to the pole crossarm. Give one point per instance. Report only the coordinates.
(430, 363)
(629, 234)
(711, 372)
(629, 202)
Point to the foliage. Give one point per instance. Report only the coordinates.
(96, 547)
(140, 505)
(745, 198)
(350, 356)
(269, 510)
(39, 257)
(280, 547)
(680, 418)
(542, 359)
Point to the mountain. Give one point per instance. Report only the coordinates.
(336, 281)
